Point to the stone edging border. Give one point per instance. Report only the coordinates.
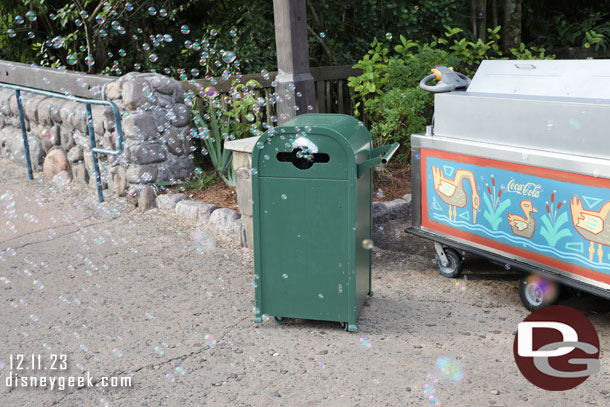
(228, 222)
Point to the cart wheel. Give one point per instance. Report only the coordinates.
(455, 266)
(344, 325)
(280, 320)
(537, 292)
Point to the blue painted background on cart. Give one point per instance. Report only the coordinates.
(503, 192)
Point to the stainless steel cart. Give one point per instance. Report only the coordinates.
(516, 168)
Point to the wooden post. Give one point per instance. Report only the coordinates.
(293, 77)
(512, 24)
(478, 11)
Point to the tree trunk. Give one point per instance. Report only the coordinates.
(478, 11)
(494, 13)
(512, 24)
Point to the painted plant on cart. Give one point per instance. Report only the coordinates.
(495, 206)
(552, 229)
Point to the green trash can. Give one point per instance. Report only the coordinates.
(312, 186)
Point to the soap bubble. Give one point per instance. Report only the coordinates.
(89, 61)
(31, 15)
(213, 32)
(228, 57)
(365, 342)
(152, 11)
(100, 19)
(57, 42)
(367, 244)
(71, 59)
(450, 368)
(128, 6)
(210, 92)
(194, 72)
(322, 35)
(11, 33)
(19, 19)
(185, 29)
(388, 36)
(153, 57)
(233, 32)
(122, 52)
(180, 370)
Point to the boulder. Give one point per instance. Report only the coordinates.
(55, 162)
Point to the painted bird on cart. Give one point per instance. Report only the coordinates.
(452, 192)
(523, 226)
(592, 225)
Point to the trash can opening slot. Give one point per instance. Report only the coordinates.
(303, 159)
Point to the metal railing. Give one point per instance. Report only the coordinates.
(89, 117)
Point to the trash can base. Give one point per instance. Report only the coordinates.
(258, 320)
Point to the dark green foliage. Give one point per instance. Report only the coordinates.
(388, 92)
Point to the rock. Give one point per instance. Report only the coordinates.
(5, 95)
(117, 180)
(44, 111)
(182, 115)
(164, 84)
(75, 154)
(112, 90)
(45, 139)
(398, 208)
(147, 153)
(495, 392)
(141, 174)
(67, 139)
(169, 201)
(11, 144)
(175, 139)
(380, 212)
(136, 91)
(227, 222)
(37, 152)
(146, 198)
(79, 173)
(407, 198)
(66, 111)
(101, 114)
(179, 167)
(140, 126)
(55, 162)
(62, 178)
(195, 210)
(30, 106)
(78, 118)
(55, 110)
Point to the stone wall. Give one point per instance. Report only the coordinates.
(156, 130)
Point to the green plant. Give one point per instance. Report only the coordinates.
(226, 118)
(387, 92)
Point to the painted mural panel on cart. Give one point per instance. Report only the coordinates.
(552, 217)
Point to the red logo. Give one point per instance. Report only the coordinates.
(556, 348)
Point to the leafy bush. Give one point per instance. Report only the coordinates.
(388, 94)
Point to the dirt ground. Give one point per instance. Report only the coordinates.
(169, 304)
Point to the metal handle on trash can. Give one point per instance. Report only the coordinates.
(387, 151)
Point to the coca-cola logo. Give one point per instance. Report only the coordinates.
(530, 189)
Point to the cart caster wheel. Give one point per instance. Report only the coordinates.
(280, 320)
(537, 292)
(455, 266)
(344, 325)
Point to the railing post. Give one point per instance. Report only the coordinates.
(26, 145)
(98, 178)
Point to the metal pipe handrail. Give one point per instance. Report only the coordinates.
(89, 118)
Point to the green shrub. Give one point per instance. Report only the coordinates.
(388, 93)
